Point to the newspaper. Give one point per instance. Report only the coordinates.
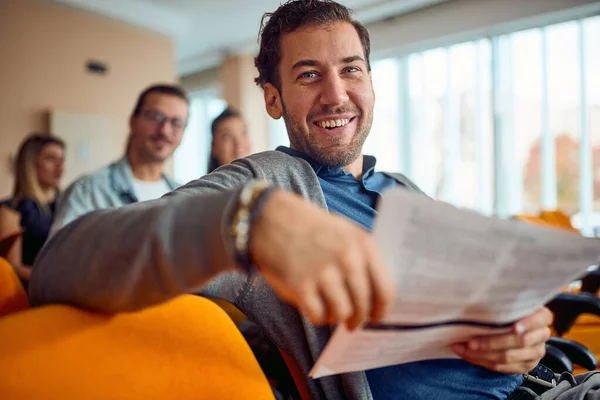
(459, 275)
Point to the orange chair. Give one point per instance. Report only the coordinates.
(12, 295)
(187, 348)
(557, 218)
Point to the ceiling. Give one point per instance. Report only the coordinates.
(205, 30)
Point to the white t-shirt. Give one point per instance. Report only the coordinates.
(145, 190)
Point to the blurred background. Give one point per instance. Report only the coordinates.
(492, 105)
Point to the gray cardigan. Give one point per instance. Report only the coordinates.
(142, 254)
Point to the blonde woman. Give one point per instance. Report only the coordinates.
(38, 171)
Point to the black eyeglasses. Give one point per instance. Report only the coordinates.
(158, 119)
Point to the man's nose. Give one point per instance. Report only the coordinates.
(165, 127)
(334, 90)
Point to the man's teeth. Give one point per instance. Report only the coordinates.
(334, 123)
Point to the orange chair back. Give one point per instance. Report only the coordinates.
(557, 218)
(10, 224)
(185, 349)
(13, 297)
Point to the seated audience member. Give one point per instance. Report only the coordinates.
(307, 235)
(156, 128)
(38, 171)
(229, 139)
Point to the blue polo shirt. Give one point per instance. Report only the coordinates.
(448, 379)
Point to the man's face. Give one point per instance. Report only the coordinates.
(326, 96)
(158, 128)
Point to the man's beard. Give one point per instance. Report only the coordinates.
(333, 154)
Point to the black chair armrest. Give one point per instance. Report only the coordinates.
(556, 360)
(568, 306)
(591, 282)
(577, 353)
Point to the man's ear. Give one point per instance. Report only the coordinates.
(273, 101)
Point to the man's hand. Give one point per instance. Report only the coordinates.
(512, 353)
(323, 264)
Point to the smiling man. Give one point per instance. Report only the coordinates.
(328, 102)
(303, 239)
(156, 128)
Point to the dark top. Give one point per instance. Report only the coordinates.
(36, 221)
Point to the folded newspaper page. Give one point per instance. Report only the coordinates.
(459, 275)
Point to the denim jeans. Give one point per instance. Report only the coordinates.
(448, 379)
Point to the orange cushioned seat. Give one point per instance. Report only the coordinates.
(187, 348)
(12, 295)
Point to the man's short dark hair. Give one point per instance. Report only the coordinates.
(289, 17)
(171, 90)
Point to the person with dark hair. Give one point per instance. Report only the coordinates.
(156, 128)
(229, 139)
(38, 168)
(301, 239)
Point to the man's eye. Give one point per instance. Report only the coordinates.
(177, 123)
(154, 116)
(308, 75)
(351, 69)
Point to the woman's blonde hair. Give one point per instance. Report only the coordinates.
(27, 184)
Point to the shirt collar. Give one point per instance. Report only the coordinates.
(122, 178)
(369, 163)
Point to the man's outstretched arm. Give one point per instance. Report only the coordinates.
(143, 254)
(136, 256)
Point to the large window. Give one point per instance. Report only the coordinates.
(440, 102)
(590, 115)
(504, 125)
(383, 141)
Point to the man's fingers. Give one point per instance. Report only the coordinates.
(334, 293)
(512, 353)
(519, 368)
(383, 286)
(513, 356)
(540, 318)
(359, 289)
(508, 341)
(339, 259)
(311, 305)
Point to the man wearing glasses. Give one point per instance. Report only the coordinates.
(156, 128)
